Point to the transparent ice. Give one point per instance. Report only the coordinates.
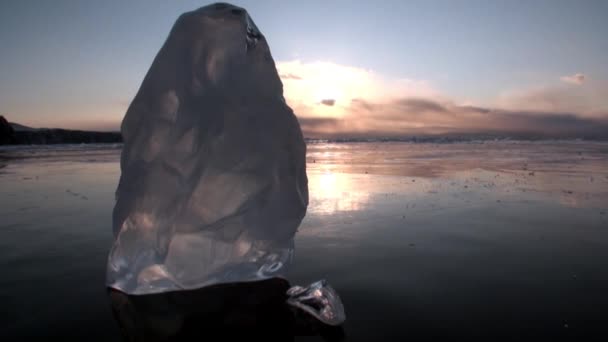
(213, 179)
(320, 300)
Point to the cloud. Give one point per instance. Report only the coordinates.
(316, 124)
(415, 116)
(317, 81)
(333, 100)
(585, 101)
(577, 79)
(290, 77)
(545, 98)
(328, 102)
(419, 105)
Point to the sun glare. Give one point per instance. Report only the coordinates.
(326, 88)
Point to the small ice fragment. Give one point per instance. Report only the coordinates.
(320, 300)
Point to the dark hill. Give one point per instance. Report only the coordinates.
(11, 133)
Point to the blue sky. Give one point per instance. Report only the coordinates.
(77, 63)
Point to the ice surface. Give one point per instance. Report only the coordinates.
(213, 179)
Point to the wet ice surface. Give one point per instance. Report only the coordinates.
(419, 240)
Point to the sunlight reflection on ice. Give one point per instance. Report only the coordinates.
(332, 192)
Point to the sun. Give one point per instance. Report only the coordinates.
(323, 88)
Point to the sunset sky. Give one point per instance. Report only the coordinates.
(349, 68)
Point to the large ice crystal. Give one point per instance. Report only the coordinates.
(213, 179)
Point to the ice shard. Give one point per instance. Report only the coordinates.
(319, 300)
(213, 181)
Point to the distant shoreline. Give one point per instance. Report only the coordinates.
(64, 136)
(119, 144)
(16, 134)
(70, 138)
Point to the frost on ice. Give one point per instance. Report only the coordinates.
(213, 175)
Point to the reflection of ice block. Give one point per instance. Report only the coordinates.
(213, 183)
